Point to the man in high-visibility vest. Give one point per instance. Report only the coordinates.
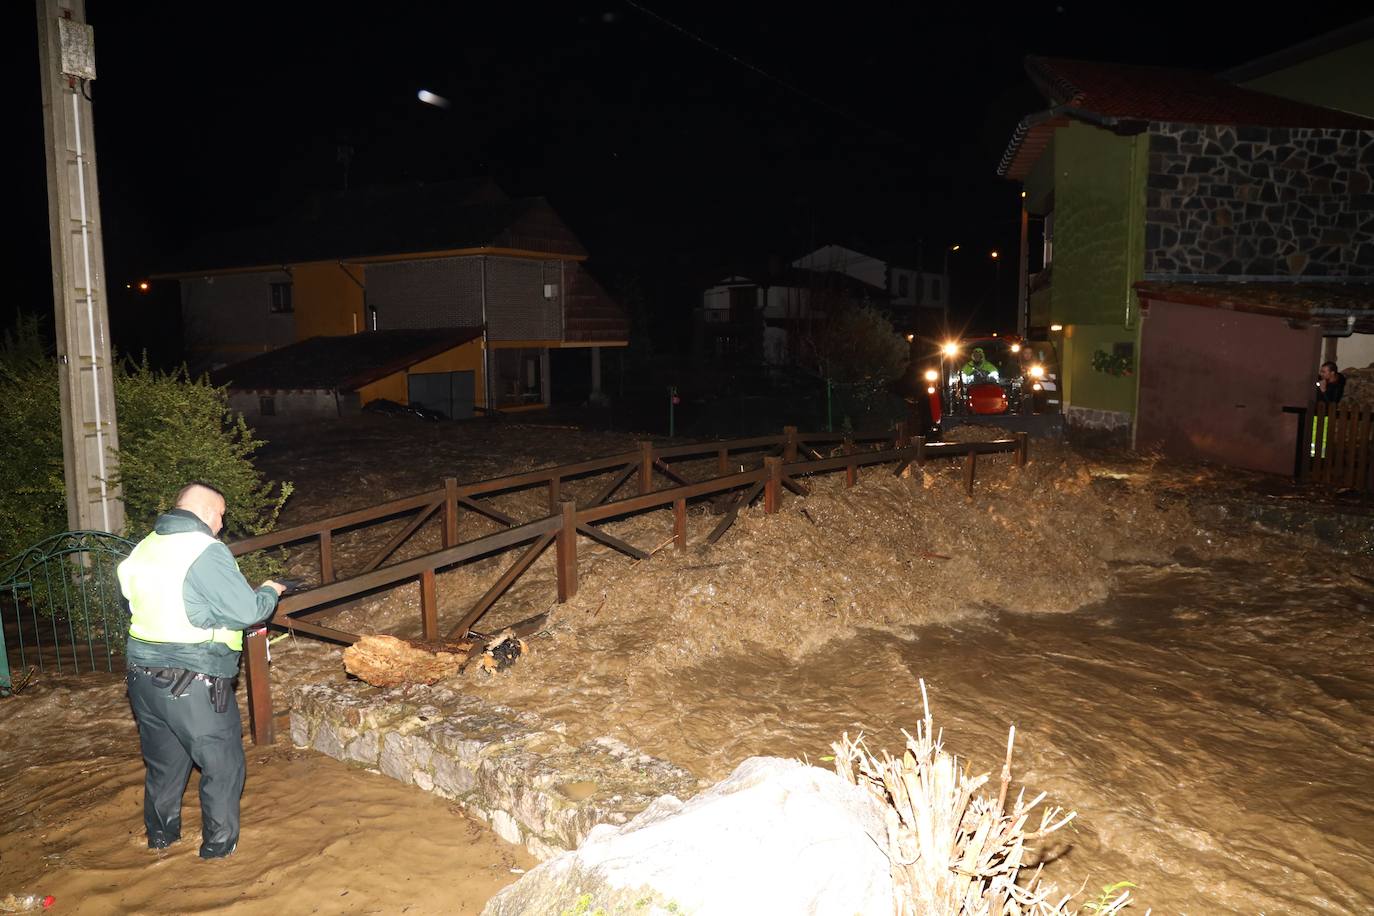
(189, 606)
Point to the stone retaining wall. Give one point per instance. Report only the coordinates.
(513, 771)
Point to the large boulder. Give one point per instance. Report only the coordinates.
(776, 836)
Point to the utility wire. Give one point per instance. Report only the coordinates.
(790, 87)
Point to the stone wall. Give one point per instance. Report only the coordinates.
(514, 771)
(1260, 202)
(1097, 428)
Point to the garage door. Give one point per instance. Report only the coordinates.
(450, 393)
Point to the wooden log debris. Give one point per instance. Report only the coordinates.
(389, 661)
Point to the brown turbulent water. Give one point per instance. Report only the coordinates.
(1209, 719)
(1210, 724)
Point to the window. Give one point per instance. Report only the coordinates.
(903, 287)
(267, 406)
(934, 289)
(1048, 253)
(281, 298)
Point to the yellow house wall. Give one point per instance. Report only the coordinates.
(463, 358)
(326, 299)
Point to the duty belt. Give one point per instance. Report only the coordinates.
(181, 679)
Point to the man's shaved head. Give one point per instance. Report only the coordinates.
(192, 490)
(204, 502)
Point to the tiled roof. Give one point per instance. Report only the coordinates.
(1134, 92)
(345, 363)
(372, 223)
(1328, 304)
(1097, 92)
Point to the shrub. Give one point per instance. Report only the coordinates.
(33, 495)
(172, 429)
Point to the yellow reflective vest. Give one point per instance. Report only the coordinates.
(153, 577)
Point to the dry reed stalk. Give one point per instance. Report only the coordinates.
(955, 849)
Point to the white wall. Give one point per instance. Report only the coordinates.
(1355, 351)
(838, 258)
(311, 404)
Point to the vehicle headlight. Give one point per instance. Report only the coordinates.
(1037, 371)
(1016, 348)
(1037, 387)
(930, 390)
(931, 375)
(951, 349)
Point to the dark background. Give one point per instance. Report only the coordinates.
(677, 150)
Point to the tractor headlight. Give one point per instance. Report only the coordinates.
(1016, 348)
(931, 375)
(1037, 371)
(930, 390)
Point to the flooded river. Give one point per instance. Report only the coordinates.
(1210, 722)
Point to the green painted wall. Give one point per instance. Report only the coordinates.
(1084, 386)
(1342, 79)
(1099, 254)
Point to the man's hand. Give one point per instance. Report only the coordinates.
(275, 586)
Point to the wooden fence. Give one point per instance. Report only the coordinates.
(1335, 446)
(745, 468)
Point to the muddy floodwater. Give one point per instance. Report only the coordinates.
(1210, 722)
(1202, 695)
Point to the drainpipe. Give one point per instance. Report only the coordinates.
(486, 353)
(1337, 313)
(1022, 274)
(358, 283)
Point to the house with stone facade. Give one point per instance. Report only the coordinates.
(1200, 239)
(423, 262)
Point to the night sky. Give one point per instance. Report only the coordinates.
(679, 141)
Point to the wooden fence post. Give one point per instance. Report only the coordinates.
(970, 469)
(789, 444)
(566, 548)
(1022, 449)
(450, 511)
(327, 556)
(554, 498)
(772, 483)
(258, 687)
(680, 524)
(723, 461)
(646, 467)
(903, 438)
(429, 605)
(920, 451)
(851, 472)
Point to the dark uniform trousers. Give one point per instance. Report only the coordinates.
(175, 733)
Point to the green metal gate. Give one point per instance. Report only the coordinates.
(60, 606)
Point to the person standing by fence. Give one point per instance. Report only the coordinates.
(189, 604)
(1330, 383)
(1330, 389)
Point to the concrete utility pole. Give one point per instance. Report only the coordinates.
(66, 59)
